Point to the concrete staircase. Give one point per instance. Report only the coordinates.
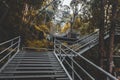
(28, 65)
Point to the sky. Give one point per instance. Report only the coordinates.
(66, 2)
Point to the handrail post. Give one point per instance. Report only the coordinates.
(54, 44)
(11, 45)
(60, 52)
(73, 75)
(19, 44)
(12, 42)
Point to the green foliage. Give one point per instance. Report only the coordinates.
(42, 28)
(65, 28)
(22, 19)
(83, 27)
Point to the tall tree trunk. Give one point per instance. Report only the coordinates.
(71, 25)
(101, 36)
(112, 33)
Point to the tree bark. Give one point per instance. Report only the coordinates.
(112, 33)
(71, 25)
(102, 51)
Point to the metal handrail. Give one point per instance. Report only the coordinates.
(63, 66)
(8, 48)
(108, 75)
(15, 45)
(95, 39)
(9, 40)
(78, 65)
(88, 43)
(7, 54)
(86, 37)
(75, 72)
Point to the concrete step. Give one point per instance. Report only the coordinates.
(33, 66)
(62, 79)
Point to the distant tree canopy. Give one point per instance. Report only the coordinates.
(22, 18)
(32, 19)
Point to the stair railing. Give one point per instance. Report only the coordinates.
(8, 50)
(75, 69)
